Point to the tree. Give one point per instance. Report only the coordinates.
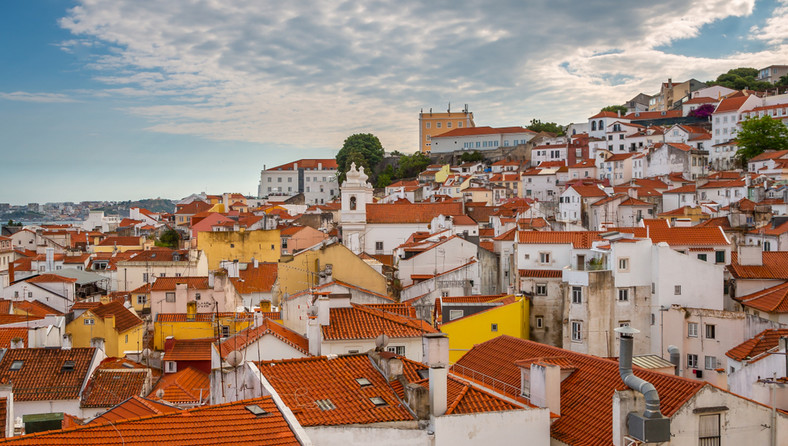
(412, 165)
(468, 157)
(169, 238)
(12, 223)
(782, 82)
(551, 127)
(741, 78)
(364, 149)
(704, 111)
(758, 135)
(615, 109)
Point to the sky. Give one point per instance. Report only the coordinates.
(130, 99)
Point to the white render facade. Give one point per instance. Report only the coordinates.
(319, 184)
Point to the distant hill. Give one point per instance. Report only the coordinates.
(152, 204)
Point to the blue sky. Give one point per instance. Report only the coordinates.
(127, 99)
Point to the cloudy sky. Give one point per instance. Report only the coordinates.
(126, 99)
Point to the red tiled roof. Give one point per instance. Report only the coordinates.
(638, 116)
(9, 334)
(634, 202)
(468, 131)
(411, 212)
(120, 241)
(681, 146)
(472, 299)
(770, 300)
(134, 407)
(700, 100)
(540, 273)
(195, 207)
(189, 350)
(578, 239)
(35, 308)
(774, 266)
(682, 212)
(730, 104)
(124, 319)
(605, 114)
(14, 318)
(309, 164)
(720, 222)
(42, 376)
(769, 155)
(401, 309)
(168, 283)
(689, 236)
(108, 388)
(762, 342)
(246, 337)
(256, 280)
(771, 230)
(185, 386)
(586, 394)
(363, 322)
(588, 191)
(722, 184)
(619, 157)
(230, 423)
(686, 189)
(50, 278)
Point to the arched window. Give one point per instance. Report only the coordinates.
(353, 203)
(601, 125)
(593, 126)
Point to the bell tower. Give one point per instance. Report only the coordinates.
(356, 193)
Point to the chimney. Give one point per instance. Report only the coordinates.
(10, 273)
(169, 341)
(323, 310)
(650, 426)
(675, 359)
(17, 343)
(436, 356)
(66, 345)
(50, 260)
(255, 262)
(545, 382)
(314, 335)
(751, 255)
(211, 279)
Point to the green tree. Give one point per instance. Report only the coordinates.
(615, 109)
(386, 177)
(741, 78)
(169, 238)
(551, 127)
(782, 82)
(12, 223)
(758, 135)
(412, 165)
(468, 157)
(364, 149)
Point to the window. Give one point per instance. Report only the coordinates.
(16, 365)
(692, 361)
(544, 257)
(444, 294)
(376, 400)
(197, 296)
(493, 327)
(378, 246)
(703, 257)
(541, 289)
(767, 246)
(719, 256)
(539, 321)
(396, 349)
(710, 362)
(577, 334)
(623, 264)
(170, 366)
(169, 297)
(438, 125)
(711, 331)
(677, 290)
(142, 299)
(88, 321)
(709, 430)
(145, 277)
(225, 331)
(328, 404)
(456, 314)
(427, 125)
(623, 295)
(577, 295)
(692, 329)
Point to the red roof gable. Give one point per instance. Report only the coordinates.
(246, 337)
(42, 375)
(364, 322)
(469, 131)
(760, 343)
(186, 386)
(411, 212)
(309, 164)
(770, 300)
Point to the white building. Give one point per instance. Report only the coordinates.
(315, 178)
(480, 138)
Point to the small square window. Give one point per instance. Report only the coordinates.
(493, 327)
(577, 295)
(378, 401)
(541, 289)
(623, 295)
(539, 322)
(692, 329)
(16, 365)
(363, 382)
(325, 404)
(623, 264)
(677, 290)
(68, 366)
(577, 331)
(711, 331)
(692, 361)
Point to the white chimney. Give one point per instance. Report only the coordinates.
(323, 310)
(751, 255)
(545, 381)
(255, 262)
(210, 279)
(314, 335)
(50, 260)
(436, 356)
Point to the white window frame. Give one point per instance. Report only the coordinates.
(692, 361)
(709, 362)
(692, 329)
(577, 295)
(577, 331)
(456, 314)
(623, 294)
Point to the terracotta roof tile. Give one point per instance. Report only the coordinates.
(468, 131)
(771, 230)
(35, 308)
(363, 322)
(682, 236)
(730, 104)
(185, 386)
(46, 374)
(10, 333)
(120, 241)
(246, 337)
(540, 273)
(310, 164)
(401, 309)
(760, 343)
(770, 300)
(50, 278)
(578, 239)
(124, 319)
(134, 407)
(256, 280)
(774, 266)
(108, 388)
(189, 350)
(230, 423)
(410, 213)
(586, 394)
(587, 191)
(168, 283)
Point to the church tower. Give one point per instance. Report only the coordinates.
(356, 193)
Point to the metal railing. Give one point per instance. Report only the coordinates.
(486, 380)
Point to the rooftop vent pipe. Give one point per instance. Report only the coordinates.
(675, 354)
(651, 426)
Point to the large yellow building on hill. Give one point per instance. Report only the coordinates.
(264, 246)
(431, 124)
(471, 320)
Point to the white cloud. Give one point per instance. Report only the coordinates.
(24, 96)
(310, 73)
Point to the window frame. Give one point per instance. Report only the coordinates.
(623, 294)
(710, 329)
(692, 329)
(577, 295)
(577, 331)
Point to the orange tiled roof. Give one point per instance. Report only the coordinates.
(256, 280)
(42, 375)
(578, 239)
(770, 229)
(35, 308)
(134, 407)
(769, 155)
(605, 114)
(124, 319)
(120, 241)
(540, 273)
(588, 191)
(309, 164)
(312, 386)
(468, 131)
(760, 343)
(730, 104)
(770, 300)
(586, 411)
(411, 212)
(189, 350)
(363, 322)
(689, 236)
(230, 423)
(774, 266)
(248, 336)
(108, 388)
(10, 333)
(401, 309)
(168, 283)
(50, 278)
(185, 386)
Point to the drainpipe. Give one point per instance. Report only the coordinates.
(675, 358)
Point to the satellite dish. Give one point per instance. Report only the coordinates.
(146, 353)
(240, 309)
(235, 358)
(160, 393)
(381, 342)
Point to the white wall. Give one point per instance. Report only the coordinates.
(494, 428)
(444, 257)
(701, 282)
(413, 348)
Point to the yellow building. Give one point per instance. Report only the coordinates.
(119, 329)
(443, 174)
(471, 320)
(303, 271)
(243, 246)
(431, 124)
(198, 326)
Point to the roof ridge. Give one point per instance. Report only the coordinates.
(459, 398)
